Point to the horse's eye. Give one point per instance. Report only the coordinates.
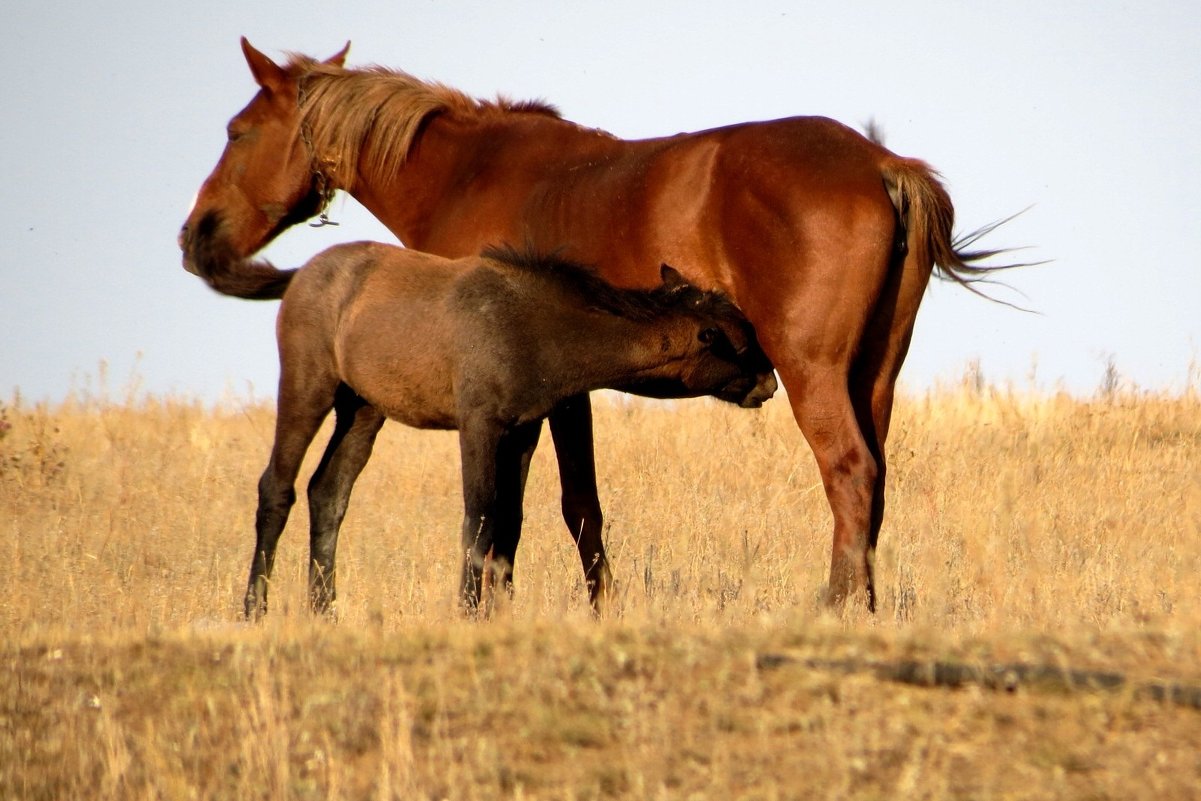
(232, 136)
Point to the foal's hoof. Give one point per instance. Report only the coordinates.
(327, 612)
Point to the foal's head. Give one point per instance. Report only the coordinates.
(725, 360)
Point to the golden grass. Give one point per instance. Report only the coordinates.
(1021, 528)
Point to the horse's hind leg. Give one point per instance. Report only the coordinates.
(571, 429)
(301, 408)
(811, 319)
(349, 448)
(814, 354)
(822, 406)
(882, 352)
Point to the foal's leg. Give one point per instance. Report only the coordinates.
(571, 430)
(516, 449)
(301, 408)
(479, 443)
(329, 490)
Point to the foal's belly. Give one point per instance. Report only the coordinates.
(406, 388)
(415, 414)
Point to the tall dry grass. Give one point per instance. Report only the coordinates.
(1005, 511)
(1020, 526)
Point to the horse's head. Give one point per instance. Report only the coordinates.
(266, 179)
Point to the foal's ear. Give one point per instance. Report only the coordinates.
(266, 72)
(671, 276)
(338, 59)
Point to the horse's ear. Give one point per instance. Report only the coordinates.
(671, 276)
(339, 59)
(266, 72)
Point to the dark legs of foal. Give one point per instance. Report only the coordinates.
(496, 535)
(496, 462)
(329, 491)
(300, 415)
(571, 429)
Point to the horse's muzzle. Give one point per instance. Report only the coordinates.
(198, 243)
(184, 240)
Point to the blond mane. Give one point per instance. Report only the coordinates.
(368, 117)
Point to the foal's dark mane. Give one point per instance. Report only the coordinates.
(375, 113)
(640, 305)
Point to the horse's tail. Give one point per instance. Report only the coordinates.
(928, 219)
(211, 257)
(251, 280)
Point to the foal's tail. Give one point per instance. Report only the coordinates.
(928, 219)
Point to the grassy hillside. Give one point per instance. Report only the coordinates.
(1022, 530)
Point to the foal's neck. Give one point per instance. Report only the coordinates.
(608, 351)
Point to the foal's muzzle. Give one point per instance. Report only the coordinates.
(760, 392)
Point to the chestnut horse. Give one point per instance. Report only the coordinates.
(489, 346)
(825, 239)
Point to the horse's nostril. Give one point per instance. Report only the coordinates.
(185, 235)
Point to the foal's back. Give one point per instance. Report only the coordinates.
(382, 320)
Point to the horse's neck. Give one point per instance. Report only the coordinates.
(466, 180)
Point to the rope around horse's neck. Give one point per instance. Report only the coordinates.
(321, 180)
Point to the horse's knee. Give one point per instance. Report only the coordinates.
(857, 469)
(275, 494)
(582, 514)
(327, 508)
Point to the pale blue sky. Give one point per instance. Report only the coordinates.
(1088, 111)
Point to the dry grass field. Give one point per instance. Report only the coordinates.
(1022, 530)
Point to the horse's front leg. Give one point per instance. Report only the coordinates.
(329, 491)
(571, 430)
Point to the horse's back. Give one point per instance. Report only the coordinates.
(815, 157)
(765, 211)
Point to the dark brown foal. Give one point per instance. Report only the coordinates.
(489, 346)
